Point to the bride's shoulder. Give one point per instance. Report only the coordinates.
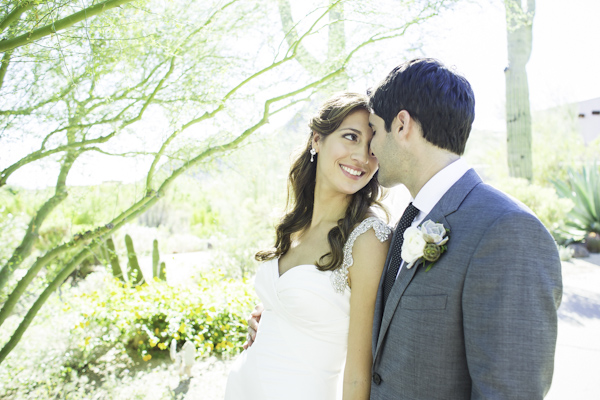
(370, 237)
(366, 252)
(380, 229)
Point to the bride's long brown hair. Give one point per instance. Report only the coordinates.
(301, 188)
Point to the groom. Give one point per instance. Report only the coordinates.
(481, 323)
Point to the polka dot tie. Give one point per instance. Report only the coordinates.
(390, 277)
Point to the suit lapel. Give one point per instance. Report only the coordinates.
(404, 278)
(379, 301)
(448, 204)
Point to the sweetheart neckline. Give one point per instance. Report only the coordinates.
(289, 269)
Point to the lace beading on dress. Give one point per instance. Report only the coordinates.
(339, 277)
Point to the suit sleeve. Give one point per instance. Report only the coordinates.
(511, 294)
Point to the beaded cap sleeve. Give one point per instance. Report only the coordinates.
(339, 277)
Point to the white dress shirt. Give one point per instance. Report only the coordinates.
(431, 193)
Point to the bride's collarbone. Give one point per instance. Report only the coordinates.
(304, 251)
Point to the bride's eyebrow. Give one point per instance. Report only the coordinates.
(353, 130)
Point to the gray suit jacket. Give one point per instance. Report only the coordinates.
(481, 323)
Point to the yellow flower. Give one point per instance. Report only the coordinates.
(162, 346)
(156, 331)
(87, 340)
(182, 327)
(153, 342)
(141, 342)
(147, 357)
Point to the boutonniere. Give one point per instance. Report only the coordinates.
(427, 241)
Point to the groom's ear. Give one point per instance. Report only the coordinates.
(406, 125)
(401, 123)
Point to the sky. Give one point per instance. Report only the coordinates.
(472, 39)
(564, 64)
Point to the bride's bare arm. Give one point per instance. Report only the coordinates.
(369, 258)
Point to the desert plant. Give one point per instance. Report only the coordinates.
(146, 318)
(582, 187)
(134, 273)
(113, 258)
(162, 272)
(155, 258)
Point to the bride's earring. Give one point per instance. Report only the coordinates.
(312, 155)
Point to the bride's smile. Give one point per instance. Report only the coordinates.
(344, 161)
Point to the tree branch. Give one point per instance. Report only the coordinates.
(57, 97)
(41, 262)
(59, 25)
(16, 337)
(305, 59)
(100, 233)
(4, 66)
(39, 154)
(32, 234)
(15, 14)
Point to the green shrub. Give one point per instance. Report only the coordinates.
(543, 201)
(582, 187)
(147, 317)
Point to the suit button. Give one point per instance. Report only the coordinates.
(376, 378)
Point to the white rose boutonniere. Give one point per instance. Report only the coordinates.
(427, 241)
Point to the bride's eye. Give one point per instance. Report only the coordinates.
(351, 136)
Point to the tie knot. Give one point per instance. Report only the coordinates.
(412, 210)
(408, 216)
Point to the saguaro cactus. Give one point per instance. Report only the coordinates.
(134, 272)
(155, 258)
(113, 259)
(162, 273)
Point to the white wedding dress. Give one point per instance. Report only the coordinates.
(300, 347)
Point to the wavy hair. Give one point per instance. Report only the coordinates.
(301, 188)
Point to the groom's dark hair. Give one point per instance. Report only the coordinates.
(439, 99)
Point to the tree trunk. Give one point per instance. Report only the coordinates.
(519, 24)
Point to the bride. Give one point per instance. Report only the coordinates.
(319, 282)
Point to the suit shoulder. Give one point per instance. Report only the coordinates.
(495, 202)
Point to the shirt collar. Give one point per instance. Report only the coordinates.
(431, 193)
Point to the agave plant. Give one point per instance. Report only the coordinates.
(583, 188)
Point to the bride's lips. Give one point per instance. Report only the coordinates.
(350, 175)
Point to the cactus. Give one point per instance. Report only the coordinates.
(155, 259)
(134, 272)
(162, 273)
(117, 271)
(104, 255)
